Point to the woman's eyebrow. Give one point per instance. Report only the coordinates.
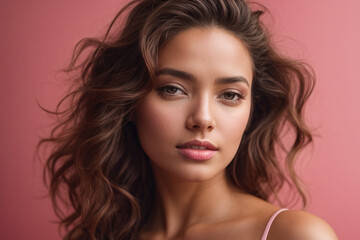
(176, 73)
(188, 76)
(227, 80)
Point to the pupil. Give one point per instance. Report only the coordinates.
(229, 95)
(171, 90)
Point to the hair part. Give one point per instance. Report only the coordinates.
(97, 166)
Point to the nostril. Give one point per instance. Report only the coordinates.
(205, 126)
(200, 122)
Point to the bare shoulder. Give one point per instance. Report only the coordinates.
(299, 225)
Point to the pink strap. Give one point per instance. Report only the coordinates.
(268, 225)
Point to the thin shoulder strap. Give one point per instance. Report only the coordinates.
(268, 225)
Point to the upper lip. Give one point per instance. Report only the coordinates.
(197, 143)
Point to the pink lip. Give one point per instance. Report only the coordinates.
(197, 154)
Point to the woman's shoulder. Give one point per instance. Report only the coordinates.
(296, 225)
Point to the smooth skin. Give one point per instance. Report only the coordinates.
(203, 91)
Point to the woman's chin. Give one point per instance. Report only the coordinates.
(193, 174)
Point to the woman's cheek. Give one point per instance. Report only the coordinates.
(158, 121)
(232, 124)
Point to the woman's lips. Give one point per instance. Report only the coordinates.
(197, 154)
(197, 150)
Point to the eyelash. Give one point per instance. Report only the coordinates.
(164, 92)
(238, 95)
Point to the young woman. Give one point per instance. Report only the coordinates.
(173, 129)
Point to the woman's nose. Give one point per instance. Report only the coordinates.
(201, 116)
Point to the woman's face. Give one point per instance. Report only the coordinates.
(190, 125)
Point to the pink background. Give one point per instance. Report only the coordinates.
(36, 42)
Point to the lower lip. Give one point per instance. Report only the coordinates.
(197, 154)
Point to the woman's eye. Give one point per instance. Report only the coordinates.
(231, 97)
(171, 91)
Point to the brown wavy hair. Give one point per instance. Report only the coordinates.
(97, 167)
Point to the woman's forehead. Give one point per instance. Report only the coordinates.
(206, 51)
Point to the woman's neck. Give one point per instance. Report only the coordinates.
(181, 204)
